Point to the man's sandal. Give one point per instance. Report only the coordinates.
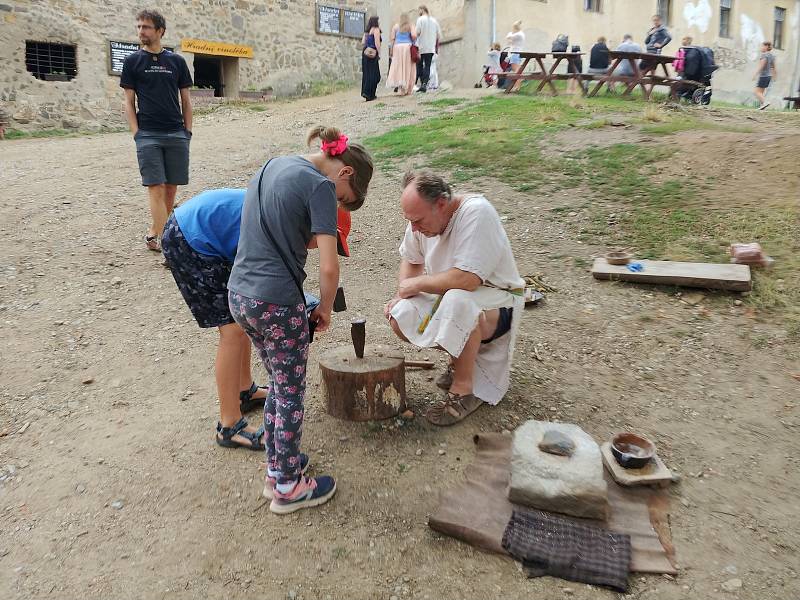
(445, 380)
(452, 409)
(246, 400)
(225, 436)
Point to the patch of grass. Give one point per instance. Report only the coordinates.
(690, 124)
(444, 102)
(401, 115)
(324, 87)
(17, 134)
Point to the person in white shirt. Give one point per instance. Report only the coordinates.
(429, 34)
(516, 40)
(458, 290)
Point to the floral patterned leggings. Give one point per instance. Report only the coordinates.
(280, 335)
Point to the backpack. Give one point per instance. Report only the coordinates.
(560, 44)
(707, 64)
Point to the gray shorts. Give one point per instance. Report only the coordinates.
(163, 157)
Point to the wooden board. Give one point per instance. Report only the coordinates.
(735, 278)
(654, 473)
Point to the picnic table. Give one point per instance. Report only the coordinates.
(545, 76)
(644, 66)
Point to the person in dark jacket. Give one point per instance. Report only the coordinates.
(657, 37)
(598, 57)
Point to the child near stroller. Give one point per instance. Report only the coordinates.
(497, 65)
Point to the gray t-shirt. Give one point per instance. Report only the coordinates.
(769, 57)
(297, 202)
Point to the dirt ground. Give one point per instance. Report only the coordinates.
(111, 485)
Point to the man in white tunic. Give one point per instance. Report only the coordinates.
(459, 291)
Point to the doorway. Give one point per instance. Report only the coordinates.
(208, 73)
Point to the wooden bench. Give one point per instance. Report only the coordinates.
(794, 100)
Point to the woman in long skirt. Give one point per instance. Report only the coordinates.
(402, 71)
(370, 60)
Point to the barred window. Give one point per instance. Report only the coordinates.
(51, 61)
(591, 5)
(780, 18)
(725, 7)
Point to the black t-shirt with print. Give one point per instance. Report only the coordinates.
(156, 79)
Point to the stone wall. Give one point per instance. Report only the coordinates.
(288, 53)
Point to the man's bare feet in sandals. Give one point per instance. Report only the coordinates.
(453, 408)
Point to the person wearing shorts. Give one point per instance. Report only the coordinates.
(158, 81)
(199, 243)
(764, 74)
(291, 202)
(516, 41)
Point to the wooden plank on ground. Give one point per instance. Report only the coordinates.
(735, 278)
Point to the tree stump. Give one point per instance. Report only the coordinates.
(364, 389)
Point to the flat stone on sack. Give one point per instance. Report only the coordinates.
(556, 442)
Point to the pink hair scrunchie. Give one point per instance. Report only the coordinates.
(335, 148)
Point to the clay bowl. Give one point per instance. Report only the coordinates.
(618, 257)
(632, 451)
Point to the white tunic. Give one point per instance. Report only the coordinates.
(473, 241)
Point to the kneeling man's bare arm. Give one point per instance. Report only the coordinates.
(452, 279)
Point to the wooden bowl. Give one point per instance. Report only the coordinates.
(632, 451)
(618, 257)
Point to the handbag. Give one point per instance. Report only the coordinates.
(370, 52)
(311, 324)
(414, 53)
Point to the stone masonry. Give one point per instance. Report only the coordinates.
(288, 53)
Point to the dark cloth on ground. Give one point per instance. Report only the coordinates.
(546, 544)
(477, 510)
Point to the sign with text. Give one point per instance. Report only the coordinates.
(117, 53)
(354, 22)
(216, 48)
(340, 21)
(328, 19)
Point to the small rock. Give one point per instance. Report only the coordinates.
(117, 504)
(116, 281)
(343, 438)
(442, 452)
(555, 442)
(11, 469)
(732, 585)
(80, 488)
(24, 428)
(87, 380)
(408, 414)
(418, 452)
(568, 591)
(685, 502)
(731, 570)
(693, 298)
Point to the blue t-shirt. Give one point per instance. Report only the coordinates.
(210, 222)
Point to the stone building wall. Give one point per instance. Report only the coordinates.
(288, 53)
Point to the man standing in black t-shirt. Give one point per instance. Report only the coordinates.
(159, 81)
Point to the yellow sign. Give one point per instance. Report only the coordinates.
(216, 48)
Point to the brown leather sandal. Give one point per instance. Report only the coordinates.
(452, 409)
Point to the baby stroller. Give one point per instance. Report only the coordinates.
(699, 68)
(489, 78)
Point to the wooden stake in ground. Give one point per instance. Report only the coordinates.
(364, 389)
